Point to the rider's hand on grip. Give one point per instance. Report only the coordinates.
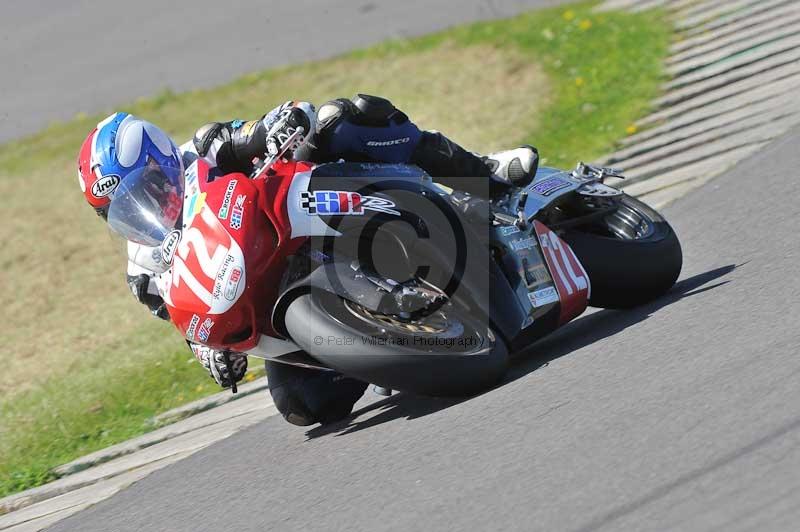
(280, 133)
(214, 362)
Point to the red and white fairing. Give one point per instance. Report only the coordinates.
(228, 257)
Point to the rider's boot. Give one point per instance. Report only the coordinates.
(460, 169)
(515, 167)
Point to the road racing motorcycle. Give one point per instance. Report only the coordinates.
(377, 272)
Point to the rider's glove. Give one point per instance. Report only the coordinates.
(214, 361)
(139, 285)
(284, 121)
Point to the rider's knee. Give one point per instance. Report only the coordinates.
(306, 396)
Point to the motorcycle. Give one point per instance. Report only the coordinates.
(376, 272)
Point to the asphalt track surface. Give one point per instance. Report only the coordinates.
(60, 58)
(678, 415)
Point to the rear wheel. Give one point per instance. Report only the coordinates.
(631, 256)
(447, 352)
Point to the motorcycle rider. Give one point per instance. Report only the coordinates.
(364, 129)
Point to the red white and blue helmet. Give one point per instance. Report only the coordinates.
(119, 145)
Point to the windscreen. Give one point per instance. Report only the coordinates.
(147, 204)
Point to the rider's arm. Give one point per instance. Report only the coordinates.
(143, 264)
(233, 145)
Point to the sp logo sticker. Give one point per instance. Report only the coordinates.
(169, 246)
(105, 185)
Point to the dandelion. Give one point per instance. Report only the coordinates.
(199, 388)
(631, 129)
(568, 15)
(585, 24)
(580, 82)
(250, 377)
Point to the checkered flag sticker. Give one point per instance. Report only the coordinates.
(308, 202)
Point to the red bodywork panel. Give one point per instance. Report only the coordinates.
(570, 278)
(228, 265)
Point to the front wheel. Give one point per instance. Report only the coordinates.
(632, 255)
(447, 353)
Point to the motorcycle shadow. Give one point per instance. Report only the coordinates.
(576, 335)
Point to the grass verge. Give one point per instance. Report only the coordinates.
(88, 367)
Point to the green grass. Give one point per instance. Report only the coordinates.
(86, 367)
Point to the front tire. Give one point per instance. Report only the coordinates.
(446, 354)
(633, 256)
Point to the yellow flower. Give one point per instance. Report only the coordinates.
(250, 377)
(568, 15)
(579, 81)
(631, 129)
(585, 24)
(199, 388)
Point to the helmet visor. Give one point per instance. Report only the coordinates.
(147, 204)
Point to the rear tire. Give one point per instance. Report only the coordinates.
(340, 334)
(624, 269)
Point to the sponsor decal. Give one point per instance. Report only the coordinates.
(237, 212)
(222, 274)
(232, 286)
(393, 142)
(545, 296)
(169, 245)
(191, 174)
(548, 186)
(525, 243)
(248, 128)
(192, 327)
(105, 185)
(196, 204)
(226, 201)
(342, 203)
(205, 330)
(509, 230)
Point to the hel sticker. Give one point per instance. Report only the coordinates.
(232, 286)
(548, 186)
(525, 243)
(205, 330)
(509, 230)
(169, 246)
(237, 212)
(543, 297)
(105, 185)
(226, 201)
(340, 203)
(192, 327)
